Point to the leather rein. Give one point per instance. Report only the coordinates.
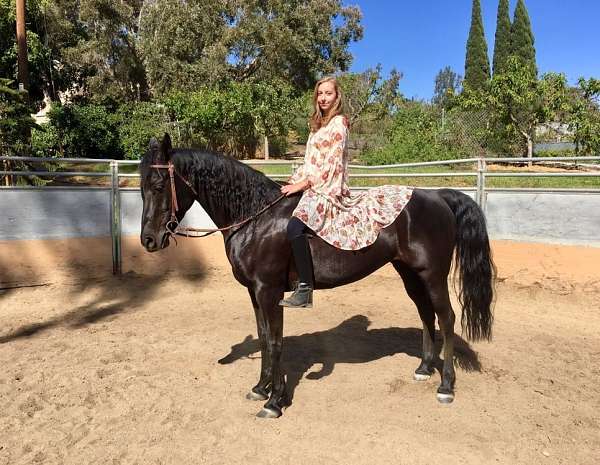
(173, 226)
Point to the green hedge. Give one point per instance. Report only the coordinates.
(232, 119)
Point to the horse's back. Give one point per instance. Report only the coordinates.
(422, 232)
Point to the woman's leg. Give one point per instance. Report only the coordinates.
(302, 296)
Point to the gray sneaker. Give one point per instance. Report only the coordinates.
(301, 298)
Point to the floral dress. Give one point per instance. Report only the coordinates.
(346, 221)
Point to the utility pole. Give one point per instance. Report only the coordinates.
(23, 72)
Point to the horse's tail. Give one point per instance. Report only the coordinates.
(476, 270)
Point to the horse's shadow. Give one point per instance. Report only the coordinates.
(350, 342)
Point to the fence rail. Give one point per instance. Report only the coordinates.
(481, 173)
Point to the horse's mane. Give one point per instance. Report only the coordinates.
(228, 183)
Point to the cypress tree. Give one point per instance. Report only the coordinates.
(522, 41)
(502, 41)
(477, 63)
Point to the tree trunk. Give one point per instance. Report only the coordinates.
(529, 150)
(7, 177)
(266, 151)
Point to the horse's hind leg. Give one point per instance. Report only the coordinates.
(261, 390)
(437, 288)
(419, 295)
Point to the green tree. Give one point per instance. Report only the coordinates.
(52, 28)
(142, 49)
(585, 116)
(477, 63)
(369, 95)
(412, 136)
(233, 117)
(184, 45)
(296, 41)
(502, 42)
(187, 45)
(371, 100)
(85, 131)
(107, 59)
(15, 119)
(518, 102)
(16, 124)
(137, 123)
(522, 40)
(447, 85)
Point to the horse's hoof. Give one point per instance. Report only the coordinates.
(267, 412)
(256, 396)
(445, 398)
(421, 377)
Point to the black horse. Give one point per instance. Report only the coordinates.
(420, 245)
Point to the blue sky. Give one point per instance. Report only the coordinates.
(420, 37)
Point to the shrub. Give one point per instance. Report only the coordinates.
(45, 141)
(233, 118)
(414, 136)
(137, 123)
(86, 131)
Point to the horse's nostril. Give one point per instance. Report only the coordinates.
(149, 242)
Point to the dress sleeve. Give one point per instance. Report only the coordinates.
(300, 174)
(329, 179)
(297, 175)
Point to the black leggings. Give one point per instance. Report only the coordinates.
(295, 228)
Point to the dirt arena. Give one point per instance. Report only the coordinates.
(153, 367)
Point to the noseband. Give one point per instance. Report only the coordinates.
(174, 228)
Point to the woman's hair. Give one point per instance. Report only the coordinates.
(318, 120)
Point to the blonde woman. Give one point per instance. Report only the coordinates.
(348, 222)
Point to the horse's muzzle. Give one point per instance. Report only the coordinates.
(151, 244)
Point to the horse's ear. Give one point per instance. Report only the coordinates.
(153, 146)
(166, 147)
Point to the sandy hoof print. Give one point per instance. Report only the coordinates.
(445, 398)
(268, 413)
(255, 396)
(420, 377)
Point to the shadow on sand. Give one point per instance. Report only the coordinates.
(350, 342)
(117, 295)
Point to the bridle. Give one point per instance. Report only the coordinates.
(175, 229)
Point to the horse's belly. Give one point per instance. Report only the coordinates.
(334, 267)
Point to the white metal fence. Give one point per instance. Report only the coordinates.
(481, 173)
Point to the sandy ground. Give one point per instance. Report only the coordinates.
(153, 367)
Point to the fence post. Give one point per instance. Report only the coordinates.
(115, 217)
(479, 196)
(483, 192)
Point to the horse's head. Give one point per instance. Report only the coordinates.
(155, 186)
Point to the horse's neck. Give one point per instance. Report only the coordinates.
(228, 205)
(220, 216)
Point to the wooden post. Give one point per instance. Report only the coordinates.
(266, 148)
(22, 71)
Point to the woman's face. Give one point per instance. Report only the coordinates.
(326, 96)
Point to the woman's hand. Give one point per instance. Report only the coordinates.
(290, 189)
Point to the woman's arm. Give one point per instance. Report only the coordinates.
(290, 189)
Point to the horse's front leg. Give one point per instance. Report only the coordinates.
(262, 388)
(268, 300)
